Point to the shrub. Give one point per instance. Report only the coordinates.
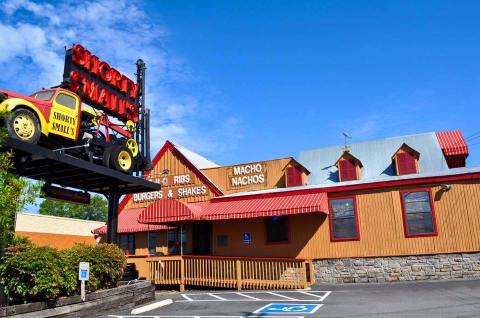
(107, 263)
(31, 273)
(19, 244)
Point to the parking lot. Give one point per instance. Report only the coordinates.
(425, 299)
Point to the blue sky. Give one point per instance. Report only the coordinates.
(250, 80)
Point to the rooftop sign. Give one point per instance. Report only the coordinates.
(173, 187)
(99, 84)
(246, 175)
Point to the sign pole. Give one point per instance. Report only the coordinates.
(83, 275)
(181, 239)
(112, 216)
(82, 290)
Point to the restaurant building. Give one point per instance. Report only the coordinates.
(401, 208)
(55, 231)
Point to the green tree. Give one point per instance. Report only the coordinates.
(15, 193)
(96, 211)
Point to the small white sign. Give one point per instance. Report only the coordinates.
(84, 271)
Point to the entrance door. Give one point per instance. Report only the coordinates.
(202, 238)
(177, 242)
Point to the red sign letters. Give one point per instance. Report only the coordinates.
(99, 84)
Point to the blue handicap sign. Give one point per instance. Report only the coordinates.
(83, 274)
(290, 308)
(247, 238)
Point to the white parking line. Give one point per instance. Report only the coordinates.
(270, 296)
(242, 294)
(282, 296)
(320, 298)
(215, 296)
(261, 316)
(325, 296)
(156, 305)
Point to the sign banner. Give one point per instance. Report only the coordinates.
(246, 175)
(100, 85)
(173, 187)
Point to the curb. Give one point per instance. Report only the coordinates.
(141, 310)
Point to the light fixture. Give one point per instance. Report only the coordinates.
(445, 187)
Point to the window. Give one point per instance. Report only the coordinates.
(418, 214)
(152, 242)
(174, 240)
(43, 95)
(406, 163)
(294, 177)
(277, 229)
(127, 243)
(343, 219)
(66, 100)
(348, 170)
(222, 240)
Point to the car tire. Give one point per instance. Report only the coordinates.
(22, 124)
(106, 156)
(121, 159)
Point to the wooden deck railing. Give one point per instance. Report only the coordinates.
(230, 272)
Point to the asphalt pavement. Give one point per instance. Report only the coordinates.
(406, 299)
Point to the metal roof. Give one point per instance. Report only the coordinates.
(197, 160)
(443, 173)
(376, 157)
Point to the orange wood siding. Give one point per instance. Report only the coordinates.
(274, 172)
(175, 167)
(60, 241)
(381, 229)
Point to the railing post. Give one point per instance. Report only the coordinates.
(151, 271)
(182, 274)
(312, 273)
(304, 265)
(238, 265)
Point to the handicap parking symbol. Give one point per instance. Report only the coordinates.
(290, 308)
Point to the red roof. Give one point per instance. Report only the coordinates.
(128, 223)
(178, 154)
(452, 143)
(164, 211)
(169, 210)
(252, 207)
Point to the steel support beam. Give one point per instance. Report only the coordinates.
(112, 223)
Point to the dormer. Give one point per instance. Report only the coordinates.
(295, 174)
(405, 160)
(349, 167)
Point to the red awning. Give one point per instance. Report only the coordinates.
(265, 206)
(235, 207)
(452, 143)
(128, 223)
(169, 210)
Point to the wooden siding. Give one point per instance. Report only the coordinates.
(381, 229)
(175, 167)
(274, 172)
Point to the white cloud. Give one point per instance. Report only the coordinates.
(393, 116)
(34, 35)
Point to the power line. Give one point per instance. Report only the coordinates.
(473, 138)
(474, 144)
(474, 134)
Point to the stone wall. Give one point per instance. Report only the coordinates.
(402, 268)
